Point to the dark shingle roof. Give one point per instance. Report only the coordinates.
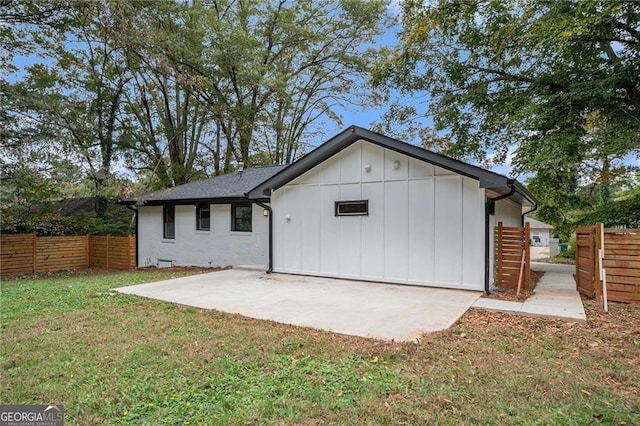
(230, 186)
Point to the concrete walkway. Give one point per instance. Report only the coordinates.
(539, 252)
(555, 296)
(357, 308)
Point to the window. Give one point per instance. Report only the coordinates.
(352, 208)
(169, 221)
(241, 217)
(203, 217)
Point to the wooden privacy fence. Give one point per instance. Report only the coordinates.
(586, 260)
(512, 257)
(620, 261)
(26, 253)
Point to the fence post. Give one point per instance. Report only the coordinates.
(108, 252)
(87, 248)
(527, 256)
(35, 252)
(498, 256)
(578, 253)
(598, 240)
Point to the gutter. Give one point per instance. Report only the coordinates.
(268, 208)
(135, 212)
(487, 213)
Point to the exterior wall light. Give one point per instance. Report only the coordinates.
(396, 164)
(367, 167)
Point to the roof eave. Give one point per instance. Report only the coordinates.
(486, 178)
(192, 201)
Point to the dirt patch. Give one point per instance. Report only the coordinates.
(510, 294)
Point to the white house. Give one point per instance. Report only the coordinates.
(540, 232)
(361, 206)
(205, 223)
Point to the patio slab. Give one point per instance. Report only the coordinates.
(383, 311)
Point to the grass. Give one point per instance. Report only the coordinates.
(562, 259)
(118, 359)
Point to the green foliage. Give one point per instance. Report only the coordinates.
(22, 187)
(571, 248)
(267, 72)
(557, 80)
(620, 212)
(178, 90)
(75, 94)
(46, 222)
(18, 20)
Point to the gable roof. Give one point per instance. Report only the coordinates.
(231, 186)
(495, 182)
(533, 223)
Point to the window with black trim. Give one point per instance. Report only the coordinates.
(241, 217)
(203, 217)
(169, 222)
(352, 208)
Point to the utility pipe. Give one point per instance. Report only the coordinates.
(268, 208)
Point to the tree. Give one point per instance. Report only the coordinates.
(267, 68)
(172, 131)
(168, 126)
(560, 80)
(76, 93)
(27, 26)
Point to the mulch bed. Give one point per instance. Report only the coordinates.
(510, 294)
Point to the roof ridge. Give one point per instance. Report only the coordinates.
(264, 166)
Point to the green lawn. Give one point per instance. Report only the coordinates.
(120, 359)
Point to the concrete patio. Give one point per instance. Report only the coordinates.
(383, 311)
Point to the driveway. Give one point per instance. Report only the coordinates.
(383, 311)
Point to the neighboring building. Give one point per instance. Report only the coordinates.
(540, 232)
(360, 206)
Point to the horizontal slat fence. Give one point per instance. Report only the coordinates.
(17, 253)
(586, 260)
(112, 252)
(511, 243)
(26, 253)
(622, 264)
(59, 253)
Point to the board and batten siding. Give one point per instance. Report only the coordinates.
(217, 247)
(425, 224)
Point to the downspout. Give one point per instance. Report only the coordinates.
(487, 211)
(535, 207)
(135, 212)
(268, 208)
